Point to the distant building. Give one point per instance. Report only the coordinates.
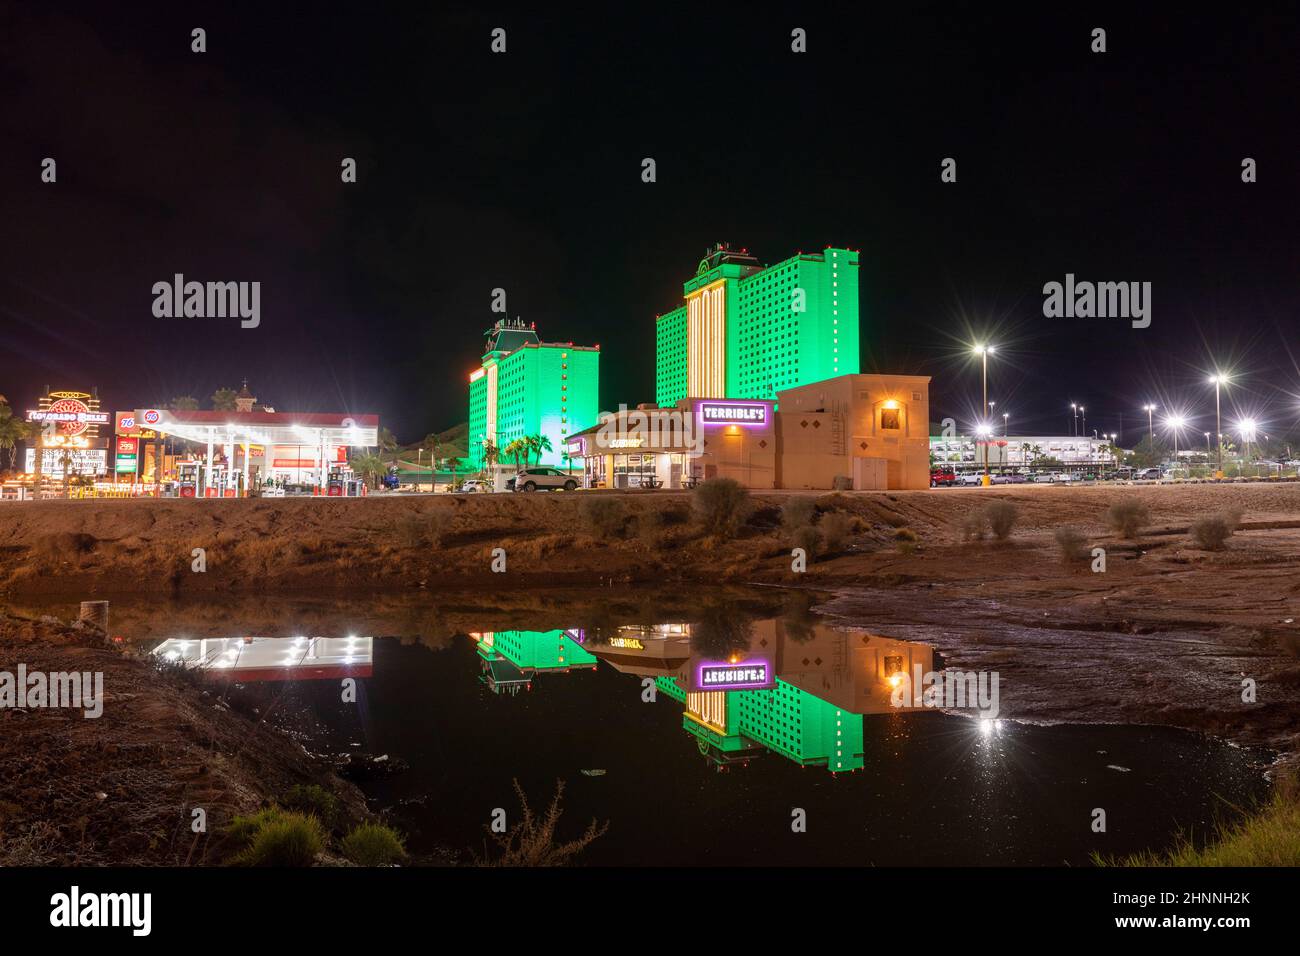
(1021, 451)
(746, 330)
(525, 386)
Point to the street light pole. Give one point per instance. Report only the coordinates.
(983, 352)
(1218, 378)
(1151, 428)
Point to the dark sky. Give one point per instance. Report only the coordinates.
(523, 171)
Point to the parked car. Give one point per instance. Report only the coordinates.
(1148, 474)
(1009, 478)
(971, 478)
(1044, 478)
(942, 477)
(542, 479)
(474, 486)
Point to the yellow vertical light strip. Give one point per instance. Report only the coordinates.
(490, 426)
(706, 341)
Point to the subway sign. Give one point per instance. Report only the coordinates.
(753, 414)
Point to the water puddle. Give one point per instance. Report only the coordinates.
(704, 736)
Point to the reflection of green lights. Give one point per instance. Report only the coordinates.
(809, 732)
(537, 650)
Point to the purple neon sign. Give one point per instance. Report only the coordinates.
(744, 675)
(749, 414)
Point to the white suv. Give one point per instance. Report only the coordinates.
(537, 479)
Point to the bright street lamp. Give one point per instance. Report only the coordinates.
(1175, 424)
(984, 351)
(1151, 429)
(1218, 379)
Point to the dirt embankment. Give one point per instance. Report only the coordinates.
(121, 788)
(445, 541)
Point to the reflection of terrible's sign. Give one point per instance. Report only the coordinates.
(741, 675)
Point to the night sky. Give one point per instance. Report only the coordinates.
(523, 171)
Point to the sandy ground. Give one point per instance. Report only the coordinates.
(120, 789)
(447, 541)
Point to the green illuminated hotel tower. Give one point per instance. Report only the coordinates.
(746, 330)
(525, 386)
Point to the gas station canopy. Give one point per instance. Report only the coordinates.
(263, 428)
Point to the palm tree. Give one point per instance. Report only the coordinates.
(368, 466)
(538, 444)
(517, 449)
(223, 400)
(491, 455)
(12, 431)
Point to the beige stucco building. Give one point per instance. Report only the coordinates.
(872, 429)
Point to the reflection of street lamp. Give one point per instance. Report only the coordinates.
(1218, 379)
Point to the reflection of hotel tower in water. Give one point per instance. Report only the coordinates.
(824, 681)
(511, 659)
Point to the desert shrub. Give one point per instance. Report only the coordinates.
(836, 528)
(275, 837)
(974, 526)
(1001, 517)
(809, 538)
(650, 527)
(532, 841)
(905, 540)
(1127, 517)
(1213, 531)
(797, 512)
(64, 545)
(315, 800)
(605, 515)
(1073, 545)
(427, 530)
(373, 844)
(720, 505)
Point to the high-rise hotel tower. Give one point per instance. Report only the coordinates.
(746, 330)
(525, 386)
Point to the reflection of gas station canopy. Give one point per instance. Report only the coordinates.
(264, 428)
(252, 659)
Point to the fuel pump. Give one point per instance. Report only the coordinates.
(188, 479)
